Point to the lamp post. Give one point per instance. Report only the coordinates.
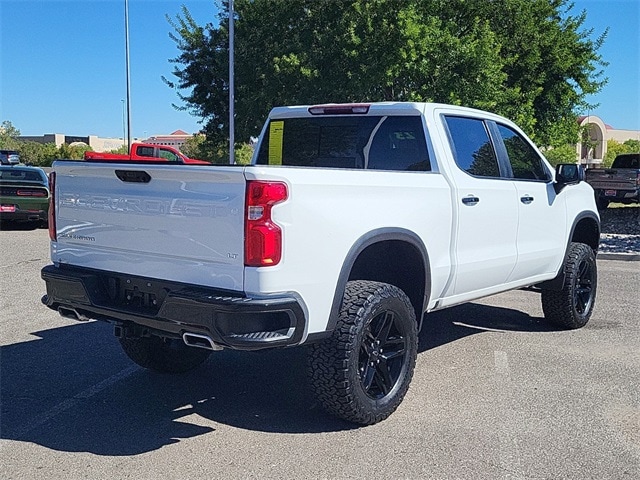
(126, 46)
(231, 87)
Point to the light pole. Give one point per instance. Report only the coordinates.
(231, 88)
(126, 46)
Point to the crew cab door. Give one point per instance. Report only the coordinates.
(541, 214)
(485, 250)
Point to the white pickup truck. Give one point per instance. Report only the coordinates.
(351, 223)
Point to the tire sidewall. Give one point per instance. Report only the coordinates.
(583, 254)
(407, 325)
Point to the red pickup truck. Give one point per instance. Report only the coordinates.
(146, 152)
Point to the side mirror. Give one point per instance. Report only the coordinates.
(568, 174)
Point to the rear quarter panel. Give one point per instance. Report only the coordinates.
(329, 210)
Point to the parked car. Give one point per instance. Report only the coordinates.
(9, 157)
(24, 194)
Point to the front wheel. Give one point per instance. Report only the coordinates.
(572, 306)
(362, 372)
(164, 355)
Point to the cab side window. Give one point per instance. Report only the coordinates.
(399, 144)
(525, 161)
(145, 151)
(472, 147)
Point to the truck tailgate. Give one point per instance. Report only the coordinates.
(179, 223)
(619, 179)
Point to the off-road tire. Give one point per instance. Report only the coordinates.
(164, 355)
(363, 371)
(572, 306)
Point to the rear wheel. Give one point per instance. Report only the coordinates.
(362, 372)
(164, 355)
(572, 306)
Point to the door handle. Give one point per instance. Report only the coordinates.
(526, 199)
(470, 200)
(133, 176)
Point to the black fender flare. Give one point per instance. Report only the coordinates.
(368, 239)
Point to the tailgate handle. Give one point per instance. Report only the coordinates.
(133, 176)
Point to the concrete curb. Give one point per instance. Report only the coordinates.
(626, 257)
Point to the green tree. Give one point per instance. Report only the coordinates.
(530, 60)
(39, 154)
(198, 147)
(632, 145)
(9, 136)
(123, 150)
(194, 147)
(72, 152)
(561, 154)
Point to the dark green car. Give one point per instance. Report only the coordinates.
(24, 194)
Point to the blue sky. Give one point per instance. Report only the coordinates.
(62, 66)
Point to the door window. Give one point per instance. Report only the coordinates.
(525, 161)
(472, 147)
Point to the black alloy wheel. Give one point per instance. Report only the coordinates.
(383, 355)
(584, 288)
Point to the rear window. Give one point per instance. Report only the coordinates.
(357, 142)
(627, 161)
(14, 174)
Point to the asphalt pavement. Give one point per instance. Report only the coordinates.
(497, 394)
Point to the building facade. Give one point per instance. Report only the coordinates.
(175, 139)
(592, 149)
(100, 144)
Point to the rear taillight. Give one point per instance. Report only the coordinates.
(638, 180)
(53, 235)
(263, 238)
(31, 193)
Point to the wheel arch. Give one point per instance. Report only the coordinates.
(394, 256)
(585, 229)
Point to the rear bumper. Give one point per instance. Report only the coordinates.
(230, 319)
(620, 195)
(21, 215)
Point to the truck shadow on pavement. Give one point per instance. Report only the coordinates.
(446, 326)
(19, 226)
(73, 389)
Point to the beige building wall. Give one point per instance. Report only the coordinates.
(592, 153)
(100, 144)
(623, 135)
